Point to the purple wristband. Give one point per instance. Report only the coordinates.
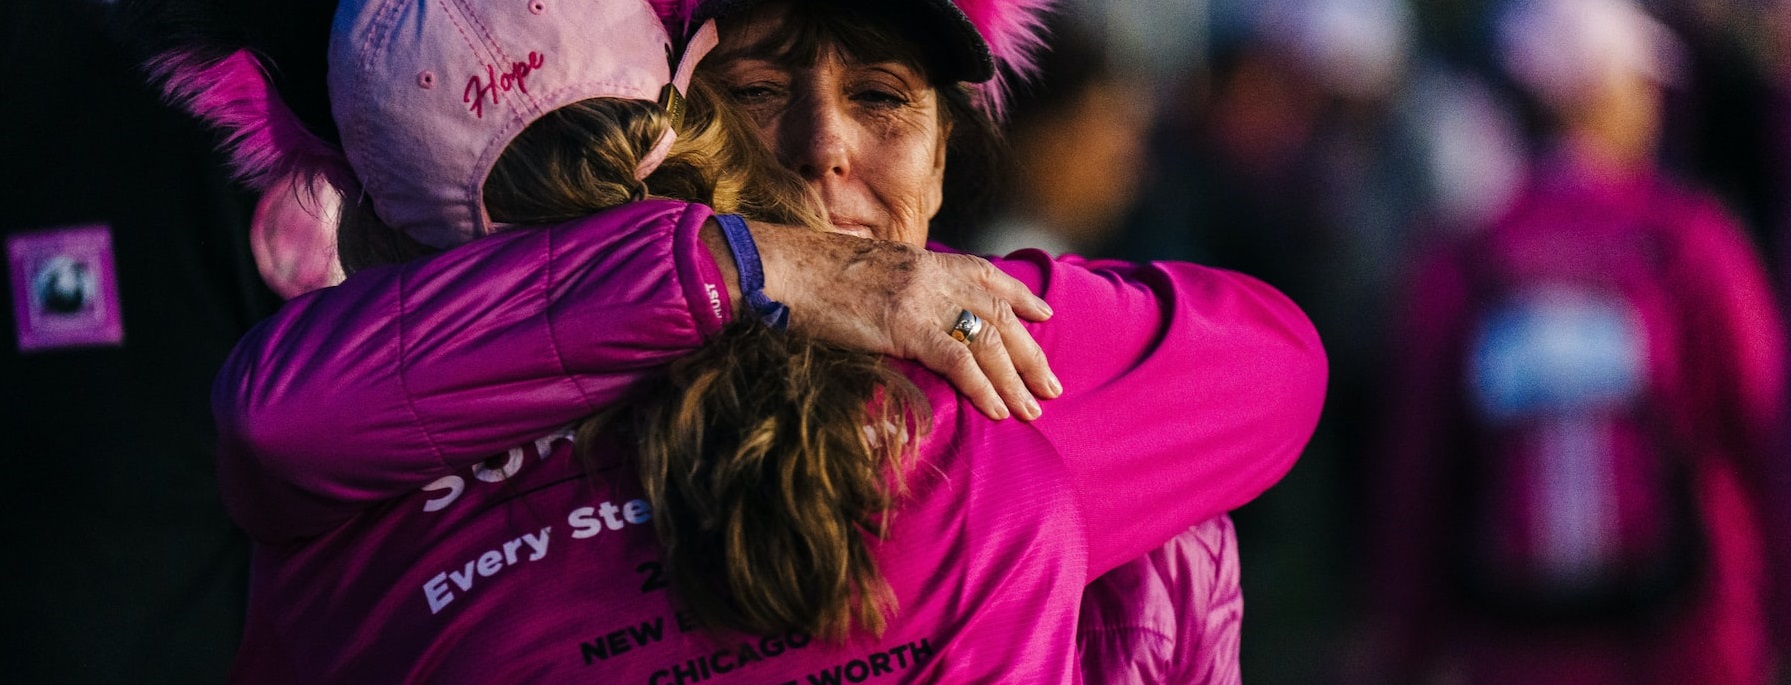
(752, 274)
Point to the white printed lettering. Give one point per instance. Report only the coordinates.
(487, 564)
(714, 299)
(514, 460)
(582, 524)
(453, 484)
(637, 512)
(537, 544)
(511, 465)
(436, 590)
(464, 581)
(544, 446)
(586, 523)
(608, 511)
(490, 562)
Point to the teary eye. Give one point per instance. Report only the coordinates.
(754, 93)
(880, 97)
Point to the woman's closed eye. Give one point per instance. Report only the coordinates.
(756, 94)
(888, 85)
(880, 97)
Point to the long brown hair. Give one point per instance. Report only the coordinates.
(769, 458)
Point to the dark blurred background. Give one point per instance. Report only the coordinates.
(121, 565)
(1331, 147)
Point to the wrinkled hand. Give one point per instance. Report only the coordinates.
(902, 301)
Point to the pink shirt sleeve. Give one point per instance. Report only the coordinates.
(1742, 378)
(1188, 391)
(1720, 271)
(424, 368)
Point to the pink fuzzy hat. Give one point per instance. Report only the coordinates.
(1014, 32)
(302, 178)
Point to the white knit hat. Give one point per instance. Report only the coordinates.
(1561, 49)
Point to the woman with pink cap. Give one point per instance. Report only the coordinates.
(411, 495)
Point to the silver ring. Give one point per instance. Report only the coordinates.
(967, 327)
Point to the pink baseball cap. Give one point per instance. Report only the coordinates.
(427, 95)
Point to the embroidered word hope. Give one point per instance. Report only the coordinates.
(492, 83)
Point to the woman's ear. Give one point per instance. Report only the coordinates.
(943, 144)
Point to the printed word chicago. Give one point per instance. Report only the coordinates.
(727, 659)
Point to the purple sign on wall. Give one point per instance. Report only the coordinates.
(64, 288)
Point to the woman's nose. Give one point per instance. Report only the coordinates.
(818, 144)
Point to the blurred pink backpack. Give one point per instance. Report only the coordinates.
(1573, 490)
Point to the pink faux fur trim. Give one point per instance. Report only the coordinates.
(1015, 31)
(676, 14)
(266, 141)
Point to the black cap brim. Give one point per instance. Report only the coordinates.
(952, 43)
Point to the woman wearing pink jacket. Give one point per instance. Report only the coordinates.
(1221, 349)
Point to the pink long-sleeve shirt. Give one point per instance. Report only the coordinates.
(392, 547)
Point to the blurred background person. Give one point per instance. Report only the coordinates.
(1588, 389)
(1285, 154)
(1318, 144)
(1076, 138)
